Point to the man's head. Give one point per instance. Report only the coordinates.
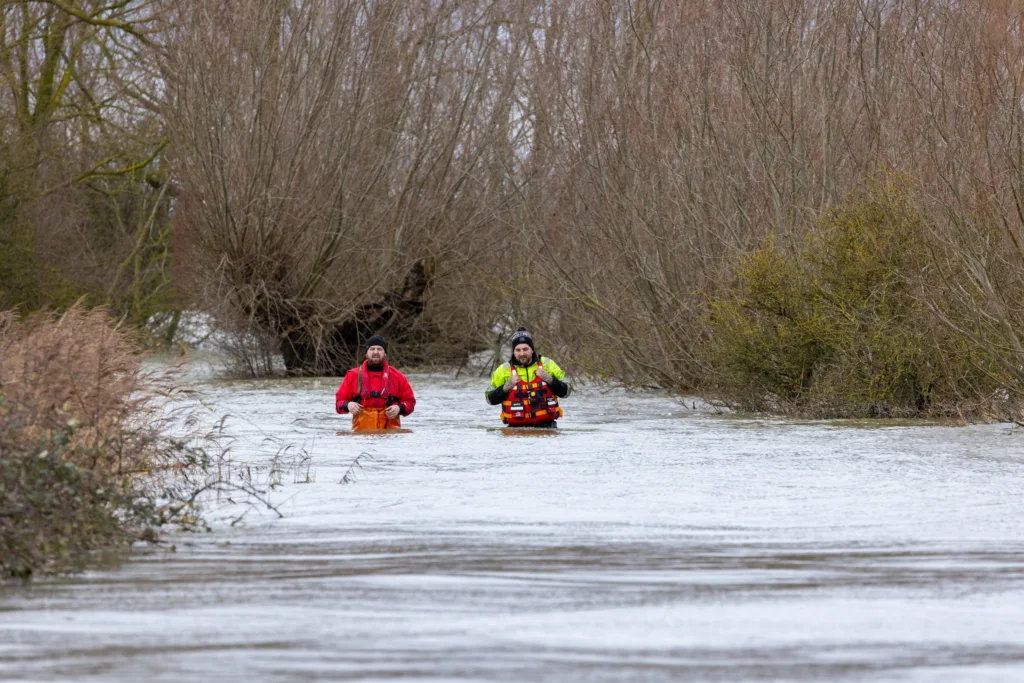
(376, 350)
(522, 346)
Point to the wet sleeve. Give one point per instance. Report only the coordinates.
(346, 392)
(406, 400)
(559, 388)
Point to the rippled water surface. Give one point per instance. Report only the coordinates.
(645, 541)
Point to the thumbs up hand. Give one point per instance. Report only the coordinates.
(512, 380)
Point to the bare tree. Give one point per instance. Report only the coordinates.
(81, 152)
(331, 148)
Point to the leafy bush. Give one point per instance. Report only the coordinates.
(837, 326)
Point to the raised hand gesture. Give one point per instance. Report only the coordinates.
(543, 374)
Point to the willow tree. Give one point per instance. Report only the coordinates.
(333, 157)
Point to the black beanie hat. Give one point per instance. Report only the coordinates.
(377, 340)
(522, 337)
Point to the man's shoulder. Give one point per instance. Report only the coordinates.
(553, 367)
(397, 373)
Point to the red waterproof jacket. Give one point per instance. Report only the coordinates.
(380, 389)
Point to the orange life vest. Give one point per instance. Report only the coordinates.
(530, 403)
(374, 404)
(374, 418)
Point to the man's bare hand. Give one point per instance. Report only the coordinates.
(543, 374)
(354, 408)
(513, 378)
(393, 411)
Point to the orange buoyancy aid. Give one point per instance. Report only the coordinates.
(530, 403)
(374, 404)
(374, 418)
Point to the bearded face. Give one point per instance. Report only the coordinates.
(523, 353)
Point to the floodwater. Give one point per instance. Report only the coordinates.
(645, 541)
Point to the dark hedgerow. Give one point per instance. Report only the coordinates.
(54, 510)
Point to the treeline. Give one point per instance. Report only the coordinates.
(809, 206)
(84, 184)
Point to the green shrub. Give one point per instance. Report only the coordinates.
(55, 511)
(838, 325)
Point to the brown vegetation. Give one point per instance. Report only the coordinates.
(89, 456)
(68, 397)
(325, 149)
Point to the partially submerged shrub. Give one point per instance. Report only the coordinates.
(839, 327)
(983, 301)
(86, 456)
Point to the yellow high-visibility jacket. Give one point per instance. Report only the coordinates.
(527, 374)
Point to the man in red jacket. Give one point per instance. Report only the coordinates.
(375, 394)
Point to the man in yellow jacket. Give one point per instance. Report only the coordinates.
(528, 386)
